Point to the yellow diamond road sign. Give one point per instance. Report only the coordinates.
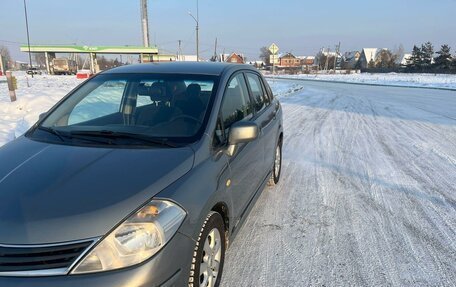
(273, 49)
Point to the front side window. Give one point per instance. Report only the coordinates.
(129, 109)
(236, 102)
(236, 106)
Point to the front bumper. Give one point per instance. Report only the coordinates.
(169, 267)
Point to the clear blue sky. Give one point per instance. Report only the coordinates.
(299, 26)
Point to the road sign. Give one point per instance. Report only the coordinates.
(273, 49)
(274, 59)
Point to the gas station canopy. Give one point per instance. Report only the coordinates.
(90, 49)
(146, 54)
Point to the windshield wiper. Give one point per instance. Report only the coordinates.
(53, 131)
(124, 135)
(63, 135)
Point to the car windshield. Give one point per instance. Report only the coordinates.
(132, 109)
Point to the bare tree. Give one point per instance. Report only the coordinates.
(387, 60)
(265, 55)
(4, 52)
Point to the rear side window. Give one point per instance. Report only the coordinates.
(260, 98)
(269, 91)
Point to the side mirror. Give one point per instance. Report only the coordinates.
(241, 132)
(42, 115)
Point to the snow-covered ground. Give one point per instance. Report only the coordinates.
(367, 195)
(408, 80)
(368, 189)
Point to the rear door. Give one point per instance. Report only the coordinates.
(247, 163)
(265, 117)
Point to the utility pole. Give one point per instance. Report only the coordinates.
(215, 50)
(12, 85)
(335, 58)
(327, 61)
(145, 23)
(28, 35)
(179, 50)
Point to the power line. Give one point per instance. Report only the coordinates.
(12, 42)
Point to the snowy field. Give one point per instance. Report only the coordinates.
(368, 189)
(392, 79)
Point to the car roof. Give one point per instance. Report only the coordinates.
(201, 68)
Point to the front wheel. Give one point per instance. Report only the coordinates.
(277, 167)
(209, 253)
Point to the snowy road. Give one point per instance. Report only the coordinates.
(367, 195)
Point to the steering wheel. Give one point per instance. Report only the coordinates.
(186, 117)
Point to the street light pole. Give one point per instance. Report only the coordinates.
(197, 28)
(28, 36)
(197, 42)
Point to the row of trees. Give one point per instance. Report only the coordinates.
(424, 59)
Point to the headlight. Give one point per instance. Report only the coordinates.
(135, 240)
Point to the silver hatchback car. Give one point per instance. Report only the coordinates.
(141, 176)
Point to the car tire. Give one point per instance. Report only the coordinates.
(277, 166)
(209, 254)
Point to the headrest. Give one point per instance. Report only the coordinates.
(176, 87)
(193, 90)
(143, 90)
(156, 92)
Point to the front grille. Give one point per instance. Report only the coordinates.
(45, 257)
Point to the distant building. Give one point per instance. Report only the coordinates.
(370, 55)
(307, 60)
(257, 64)
(404, 60)
(320, 58)
(289, 60)
(187, 58)
(18, 65)
(350, 59)
(234, 58)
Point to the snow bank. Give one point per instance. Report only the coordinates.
(284, 88)
(392, 79)
(43, 93)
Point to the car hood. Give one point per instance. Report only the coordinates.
(56, 193)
